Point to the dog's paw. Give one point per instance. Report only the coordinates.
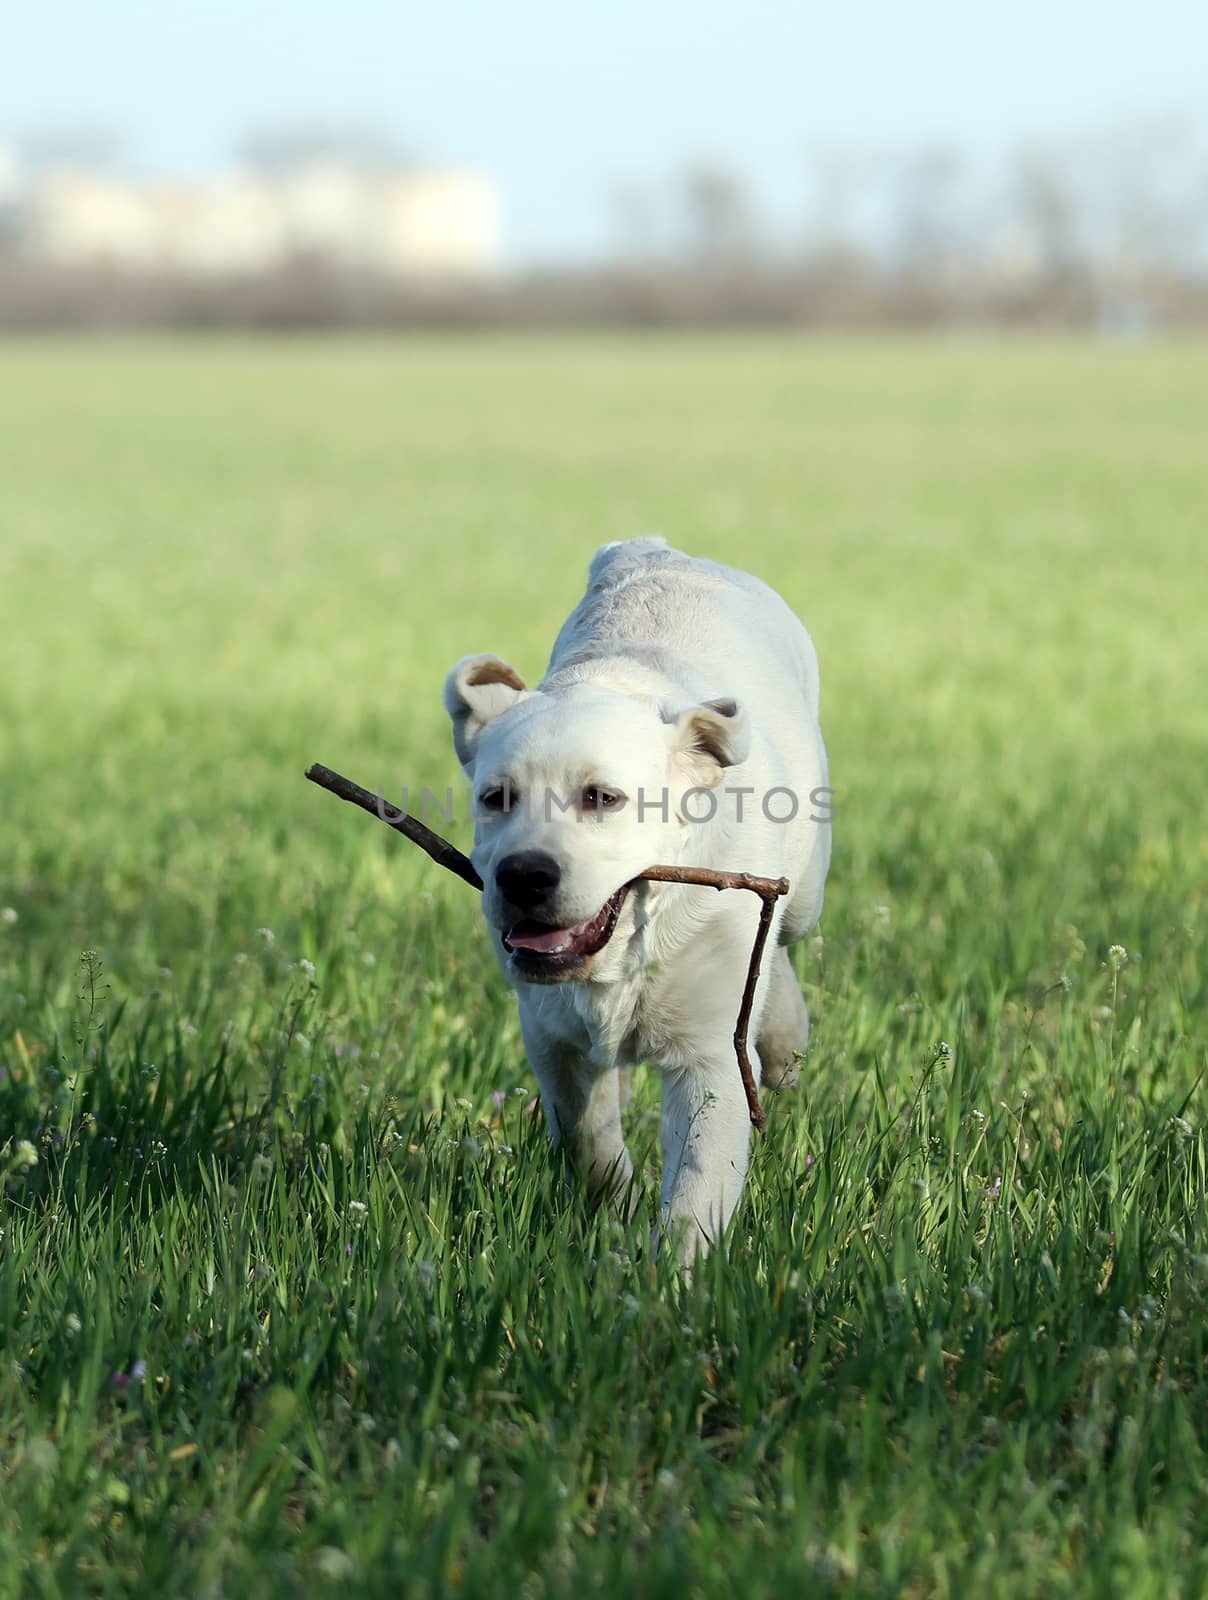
(781, 1076)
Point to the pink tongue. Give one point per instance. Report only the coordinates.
(548, 942)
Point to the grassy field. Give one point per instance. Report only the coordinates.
(291, 1301)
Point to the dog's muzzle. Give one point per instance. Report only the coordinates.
(544, 954)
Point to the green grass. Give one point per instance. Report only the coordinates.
(956, 1341)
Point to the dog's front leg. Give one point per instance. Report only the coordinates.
(582, 1104)
(706, 1138)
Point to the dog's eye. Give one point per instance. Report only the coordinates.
(599, 799)
(496, 798)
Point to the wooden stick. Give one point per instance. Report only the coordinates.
(769, 891)
(441, 851)
(444, 854)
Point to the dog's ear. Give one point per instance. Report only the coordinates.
(478, 689)
(708, 737)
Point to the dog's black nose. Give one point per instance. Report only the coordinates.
(526, 877)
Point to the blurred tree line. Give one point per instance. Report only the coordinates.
(1106, 230)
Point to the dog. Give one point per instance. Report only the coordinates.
(677, 723)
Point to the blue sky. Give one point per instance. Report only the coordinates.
(560, 100)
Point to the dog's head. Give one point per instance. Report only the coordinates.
(575, 792)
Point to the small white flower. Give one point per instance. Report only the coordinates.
(26, 1155)
(72, 1323)
(8, 914)
(267, 935)
(335, 1564)
(1116, 957)
(308, 967)
(358, 1210)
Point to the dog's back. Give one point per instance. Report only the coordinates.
(720, 627)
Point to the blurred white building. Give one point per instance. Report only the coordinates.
(399, 223)
(10, 195)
